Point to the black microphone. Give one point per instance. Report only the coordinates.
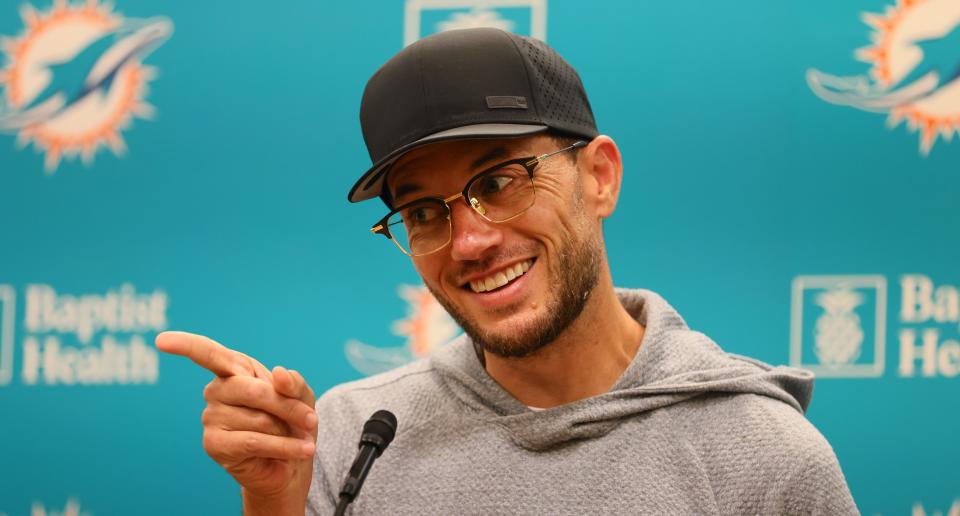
(378, 431)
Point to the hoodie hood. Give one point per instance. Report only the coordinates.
(673, 364)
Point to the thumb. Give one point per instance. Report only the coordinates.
(292, 385)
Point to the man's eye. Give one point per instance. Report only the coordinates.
(494, 184)
(421, 215)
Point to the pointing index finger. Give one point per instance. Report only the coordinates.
(205, 352)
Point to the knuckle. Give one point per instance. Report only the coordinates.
(254, 390)
(211, 442)
(264, 421)
(206, 416)
(208, 391)
(230, 382)
(251, 444)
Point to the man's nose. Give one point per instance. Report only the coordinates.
(472, 235)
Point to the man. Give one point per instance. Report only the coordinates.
(566, 395)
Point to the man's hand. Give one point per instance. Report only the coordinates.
(259, 425)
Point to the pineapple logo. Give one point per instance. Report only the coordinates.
(838, 325)
(838, 335)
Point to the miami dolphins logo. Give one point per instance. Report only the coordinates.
(915, 70)
(74, 78)
(426, 327)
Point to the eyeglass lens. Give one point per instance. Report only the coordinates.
(498, 195)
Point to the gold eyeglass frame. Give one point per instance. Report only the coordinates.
(529, 164)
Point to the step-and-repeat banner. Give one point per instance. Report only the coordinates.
(790, 186)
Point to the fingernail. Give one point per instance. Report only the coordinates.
(162, 346)
(307, 449)
(311, 421)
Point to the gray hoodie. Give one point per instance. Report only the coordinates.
(687, 429)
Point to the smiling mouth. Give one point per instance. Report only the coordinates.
(500, 278)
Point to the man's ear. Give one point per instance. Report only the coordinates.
(602, 167)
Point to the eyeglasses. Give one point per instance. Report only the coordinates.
(500, 193)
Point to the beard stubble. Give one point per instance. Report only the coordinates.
(574, 277)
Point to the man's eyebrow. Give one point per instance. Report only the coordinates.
(490, 155)
(405, 189)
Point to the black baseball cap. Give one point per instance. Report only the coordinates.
(462, 84)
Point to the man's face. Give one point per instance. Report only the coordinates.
(553, 249)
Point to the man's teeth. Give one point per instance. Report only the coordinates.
(501, 278)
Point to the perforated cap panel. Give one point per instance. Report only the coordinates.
(562, 99)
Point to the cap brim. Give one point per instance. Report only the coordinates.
(371, 183)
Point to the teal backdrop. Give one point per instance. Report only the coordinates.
(795, 198)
